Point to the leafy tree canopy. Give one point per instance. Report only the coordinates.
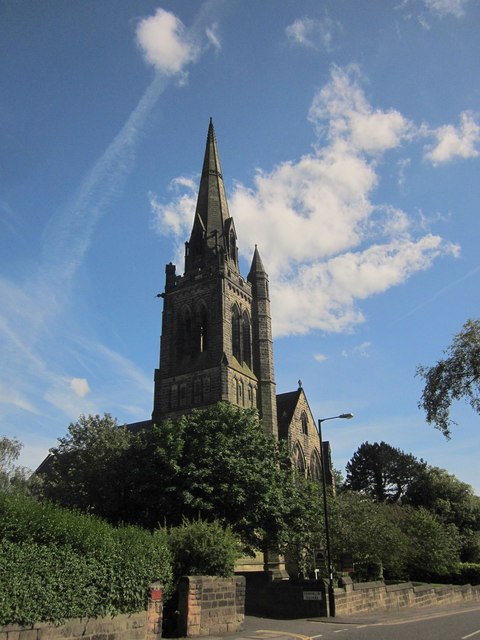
(216, 464)
(365, 528)
(12, 476)
(455, 377)
(87, 469)
(382, 471)
(453, 502)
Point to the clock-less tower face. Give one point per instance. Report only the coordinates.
(216, 342)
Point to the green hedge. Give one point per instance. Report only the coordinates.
(463, 573)
(467, 573)
(203, 548)
(57, 564)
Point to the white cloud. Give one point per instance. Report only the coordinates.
(456, 142)
(341, 111)
(454, 8)
(320, 357)
(79, 386)
(312, 33)
(325, 243)
(175, 216)
(166, 43)
(212, 36)
(362, 350)
(12, 396)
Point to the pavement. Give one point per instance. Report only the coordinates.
(308, 628)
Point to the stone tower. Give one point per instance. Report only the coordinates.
(216, 342)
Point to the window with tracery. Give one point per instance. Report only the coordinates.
(299, 459)
(201, 329)
(315, 466)
(184, 333)
(236, 334)
(247, 340)
(304, 419)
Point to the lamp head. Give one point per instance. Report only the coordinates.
(346, 416)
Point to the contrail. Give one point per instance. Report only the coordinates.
(438, 294)
(68, 233)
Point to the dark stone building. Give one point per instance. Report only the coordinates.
(216, 342)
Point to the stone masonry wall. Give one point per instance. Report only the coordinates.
(210, 605)
(371, 596)
(309, 442)
(145, 625)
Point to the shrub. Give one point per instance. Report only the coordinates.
(463, 573)
(46, 583)
(57, 564)
(203, 548)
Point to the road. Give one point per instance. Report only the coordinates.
(453, 622)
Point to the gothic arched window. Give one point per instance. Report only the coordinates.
(236, 334)
(184, 333)
(315, 466)
(200, 337)
(240, 395)
(246, 340)
(299, 459)
(304, 423)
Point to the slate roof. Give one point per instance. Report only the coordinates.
(286, 404)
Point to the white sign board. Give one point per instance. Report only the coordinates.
(312, 595)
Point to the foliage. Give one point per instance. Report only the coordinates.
(433, 547)
(461, 573)
(87, 468)
(12, 476)
(203, 548)
(308, 531)
(63, 564)
(468, 573)
(455, 377)
(369, 531)
(453, 502)
(382, 471)
(216, 464)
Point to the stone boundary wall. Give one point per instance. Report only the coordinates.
(370, 596)
(144, 625)
(210, 606)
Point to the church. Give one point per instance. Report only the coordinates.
(216, 341)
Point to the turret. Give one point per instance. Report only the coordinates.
(263, 343)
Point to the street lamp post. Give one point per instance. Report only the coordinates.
(331, 594)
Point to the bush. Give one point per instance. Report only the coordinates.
(470, 573)
(203, 548)
(57, 564)
(46, 583)
(463, 573)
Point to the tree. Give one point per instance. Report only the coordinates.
(433, 547)
(217, 463)
(455, 377)
(12, 476)
(87, 469)
(453, 502)
(381, 471)
(366, 529)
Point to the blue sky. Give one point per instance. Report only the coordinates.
(349, 136)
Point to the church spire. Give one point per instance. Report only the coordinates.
(213, 237)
